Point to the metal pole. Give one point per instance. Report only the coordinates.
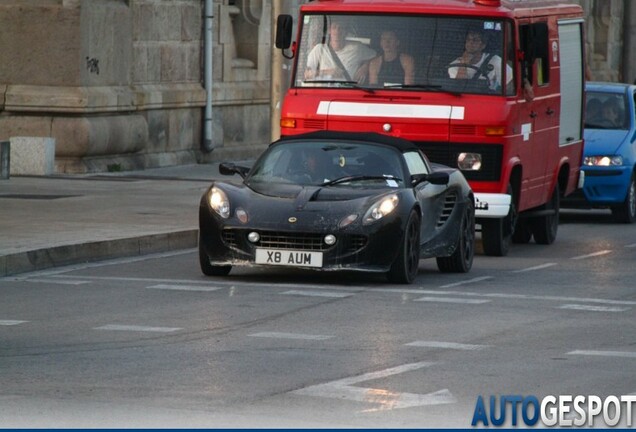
(276, 90)
(207, 127)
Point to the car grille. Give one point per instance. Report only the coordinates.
(296, 241)
(449, 204)
(446, 154)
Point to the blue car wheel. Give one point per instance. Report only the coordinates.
(626, 212)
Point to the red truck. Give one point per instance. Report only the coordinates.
(494, 87)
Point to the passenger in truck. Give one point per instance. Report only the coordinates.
(339, 58)
(474, 63)
(392, 66)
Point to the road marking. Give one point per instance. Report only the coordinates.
(277, 335)
(118, 327)
(628, 354)
(469, 281)
(633, 245)
(344, 389)
(185, 287)
(539, 267)
(317, 293)
(11, 322)
(59, 281)
(452, 300)
(592, 255)
(581, 307)
(449, 345)
(505, 296)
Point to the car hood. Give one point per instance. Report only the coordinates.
(603, 141)
(325, 205)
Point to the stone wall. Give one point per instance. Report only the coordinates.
(118, 83)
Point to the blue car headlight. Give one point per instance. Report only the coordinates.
(219, 202)
(605, 161)
(380, 209)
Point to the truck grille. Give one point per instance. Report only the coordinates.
(446, 154)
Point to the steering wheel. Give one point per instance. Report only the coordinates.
(478, 71)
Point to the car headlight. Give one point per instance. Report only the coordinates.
(469, 161)
(381, 208)
(219, 203)
(603, 160)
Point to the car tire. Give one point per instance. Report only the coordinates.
(496, 234)
(544, 228)
(461, 260)
(207, 268)
(626, 212)
(406, 265)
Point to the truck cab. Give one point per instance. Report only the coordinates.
(493, 87)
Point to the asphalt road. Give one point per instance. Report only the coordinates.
(150, 342)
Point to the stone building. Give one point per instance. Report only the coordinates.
(120, 84)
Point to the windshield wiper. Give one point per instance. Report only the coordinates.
(432, 87)
(350, 178)
(352, 84)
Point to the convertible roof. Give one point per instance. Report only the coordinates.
(372, 137)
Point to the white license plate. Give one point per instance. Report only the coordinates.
(288, 257)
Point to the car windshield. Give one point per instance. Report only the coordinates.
(606, 111)
(408, 53)
(329, 164)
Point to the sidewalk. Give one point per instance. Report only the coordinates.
(69, 219)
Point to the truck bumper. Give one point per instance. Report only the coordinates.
(490, 205)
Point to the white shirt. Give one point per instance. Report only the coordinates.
(352, 55)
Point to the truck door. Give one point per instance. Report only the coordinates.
(539, 115)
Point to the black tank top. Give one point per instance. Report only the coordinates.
(391, 71)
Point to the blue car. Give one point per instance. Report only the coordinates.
(609, 156)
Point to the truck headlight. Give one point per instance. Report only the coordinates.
(469, 161)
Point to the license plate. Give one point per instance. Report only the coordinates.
(288, 257)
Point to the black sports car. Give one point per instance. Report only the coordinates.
(339, 201)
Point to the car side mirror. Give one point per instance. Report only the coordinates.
(436, 178)
(228, 168)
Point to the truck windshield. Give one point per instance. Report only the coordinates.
(414, 53)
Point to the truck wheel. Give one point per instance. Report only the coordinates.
(405, 267)
(207, 268)
(626, 212)
(462, 259)
(545, 227)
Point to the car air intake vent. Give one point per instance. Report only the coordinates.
(449, 204)
(296, 241)
(355, 243)
(314, 124)
(229, 237)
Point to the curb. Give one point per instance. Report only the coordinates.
(58, 256)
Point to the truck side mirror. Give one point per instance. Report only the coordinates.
(284, 25)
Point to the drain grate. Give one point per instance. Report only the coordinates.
(36, 196)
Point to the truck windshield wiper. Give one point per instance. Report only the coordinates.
(423, 87)
(352, 84)
(352, 178)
